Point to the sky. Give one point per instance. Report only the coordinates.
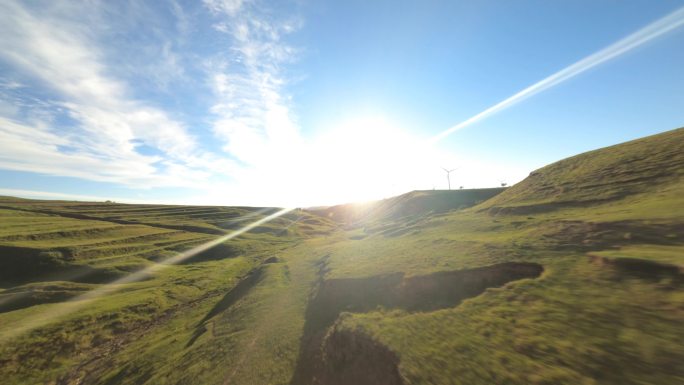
(316, 102)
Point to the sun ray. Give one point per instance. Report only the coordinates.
(646, 34)
(57, 311)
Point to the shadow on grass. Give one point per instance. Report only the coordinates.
(318, 364)
(20, 265)
(652, 271)
(235, 294)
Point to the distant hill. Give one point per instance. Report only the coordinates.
(412, 204)
(573, 276)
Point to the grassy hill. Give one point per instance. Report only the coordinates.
(650, 165)
(406, 206)
(573, 276)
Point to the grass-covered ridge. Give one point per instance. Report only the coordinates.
(606, 227)
(645, 165)
(406, 206)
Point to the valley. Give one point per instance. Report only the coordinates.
(573, 276)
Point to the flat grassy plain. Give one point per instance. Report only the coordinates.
(311, 297)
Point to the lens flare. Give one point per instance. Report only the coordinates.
(65, 308)
(656, 29)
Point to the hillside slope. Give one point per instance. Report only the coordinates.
(406, 206)
(573, 276)
(608, 228)
(646, 165)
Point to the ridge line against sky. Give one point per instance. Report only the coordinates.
(227, 101)
(47, 195)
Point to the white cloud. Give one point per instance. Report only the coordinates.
(366, 157)
(84, 121)
(62, 56)
(36, 149)
(230, 7)
(253, 117)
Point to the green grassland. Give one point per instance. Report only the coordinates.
(311, 297)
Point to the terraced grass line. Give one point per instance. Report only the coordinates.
(83, 300)
(190, 228)
(607, 310)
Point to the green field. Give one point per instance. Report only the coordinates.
(573, 276)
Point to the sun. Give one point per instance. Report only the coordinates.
(364, 159)
(356, 160)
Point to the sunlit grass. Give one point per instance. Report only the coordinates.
(584, 321)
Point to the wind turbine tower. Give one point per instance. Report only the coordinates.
(448, 172)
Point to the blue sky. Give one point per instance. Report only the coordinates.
(297, 103)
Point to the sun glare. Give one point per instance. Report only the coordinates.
(364, 159)
(358, 160)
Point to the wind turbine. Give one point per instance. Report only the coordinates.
(448, 172)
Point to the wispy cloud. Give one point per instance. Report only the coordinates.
(230, 7)
(182, 95)
(252, 111)
(54, 49)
